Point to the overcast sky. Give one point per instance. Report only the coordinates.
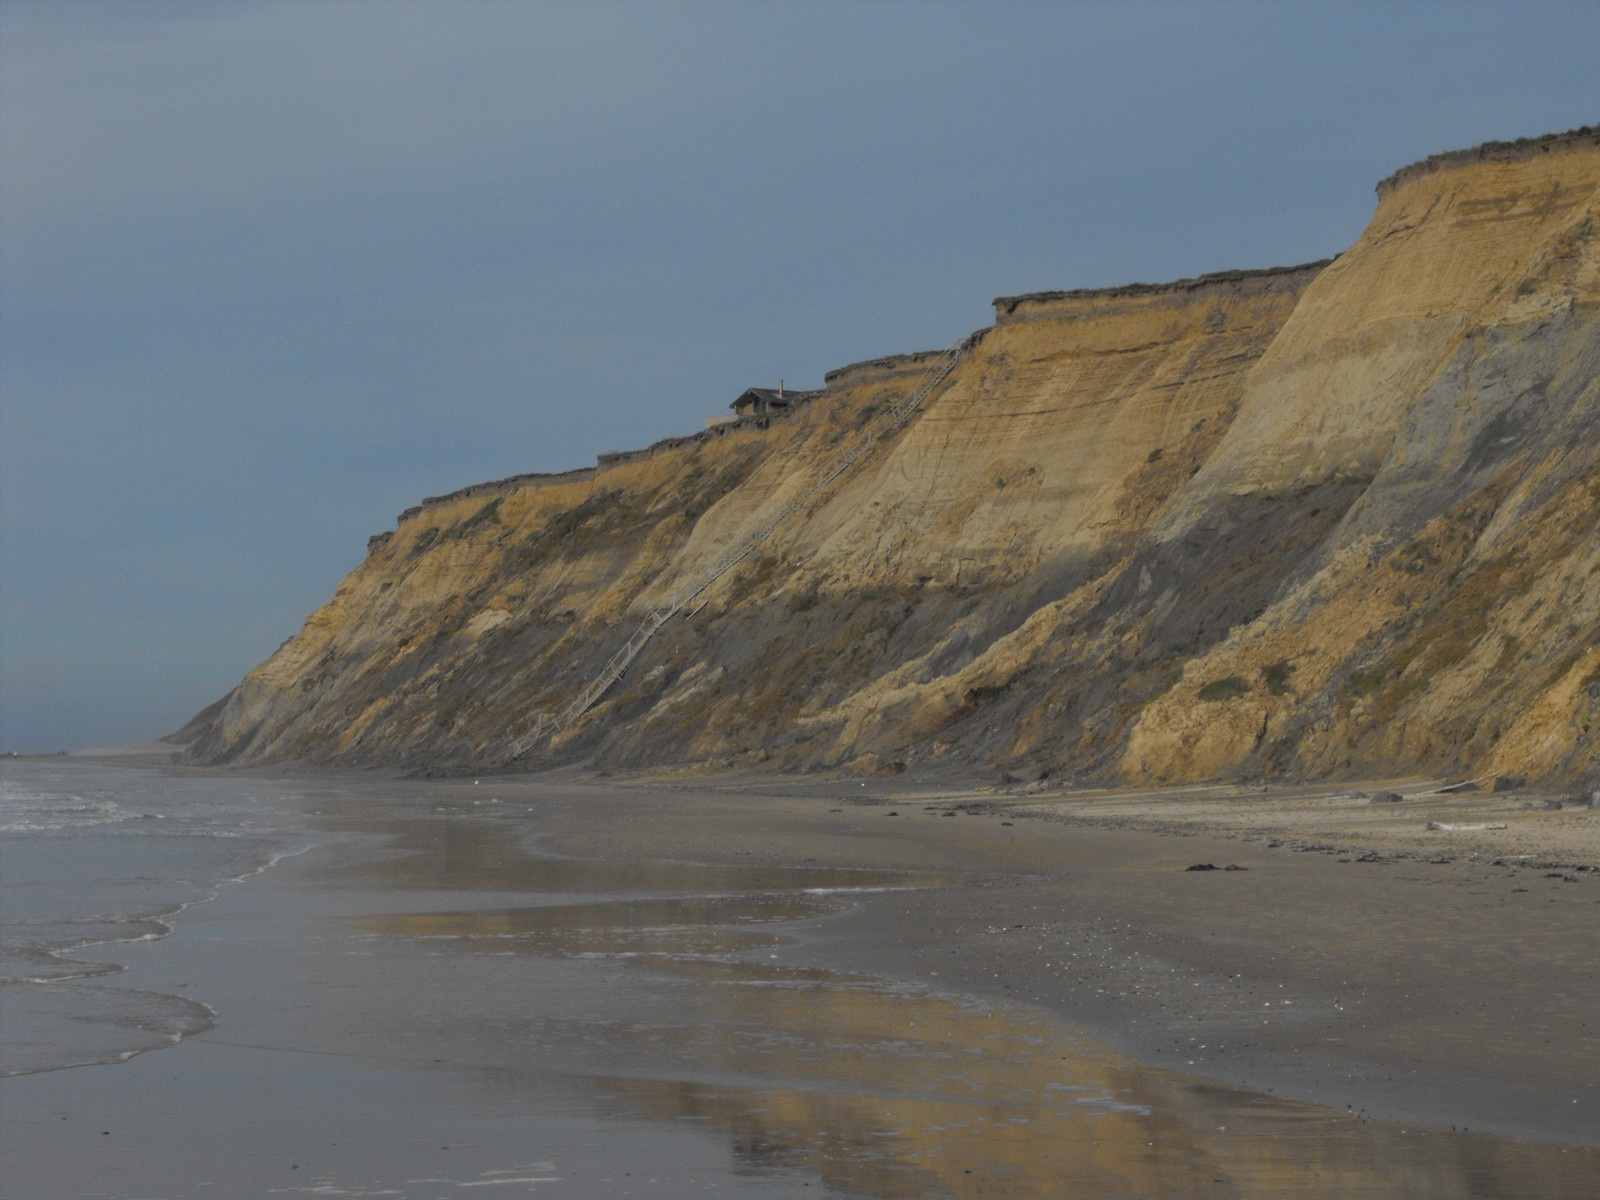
(273, 272)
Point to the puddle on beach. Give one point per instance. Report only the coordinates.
(695, 1019)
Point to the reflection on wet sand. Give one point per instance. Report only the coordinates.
(895, 1090)
(679, 925)
(906, 1147)
(451, 854)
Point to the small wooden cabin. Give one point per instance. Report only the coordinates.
(758, 402)
(762, 402)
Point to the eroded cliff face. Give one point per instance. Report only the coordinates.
(1327, 520)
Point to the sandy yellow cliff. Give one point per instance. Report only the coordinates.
(1316, 521)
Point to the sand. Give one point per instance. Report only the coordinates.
(1359, 959)
(579, 986)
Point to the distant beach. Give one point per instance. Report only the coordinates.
(576, 986)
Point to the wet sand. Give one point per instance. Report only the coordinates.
(1358, 960)
(583, 987)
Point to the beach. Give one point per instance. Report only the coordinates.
(1356, 958)
(584, 986)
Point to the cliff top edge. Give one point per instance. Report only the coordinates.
(1584, 137)
(1195, 283)
(887, 362)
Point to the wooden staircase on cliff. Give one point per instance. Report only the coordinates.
(548, 724)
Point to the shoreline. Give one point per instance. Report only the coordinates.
(789, 988)
(1358, 960)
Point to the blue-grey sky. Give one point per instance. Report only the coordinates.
(274, 271)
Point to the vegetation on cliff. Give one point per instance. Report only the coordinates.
(1325, 520)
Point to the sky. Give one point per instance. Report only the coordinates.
(272, 272)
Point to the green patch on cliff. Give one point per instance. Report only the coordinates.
(1225, 688)
(1276, 677)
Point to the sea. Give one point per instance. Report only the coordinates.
(97, 861)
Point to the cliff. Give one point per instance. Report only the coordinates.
(1320, 521)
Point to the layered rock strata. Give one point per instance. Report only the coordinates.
(1319, 521)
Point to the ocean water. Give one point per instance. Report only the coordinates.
(96, 861)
